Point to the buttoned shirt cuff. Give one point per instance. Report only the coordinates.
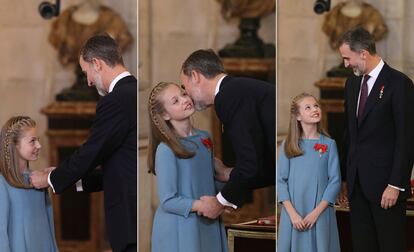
(396, 187)
(224, 202)
(79, 187)
(49, 182)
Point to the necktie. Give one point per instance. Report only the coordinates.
(363, 97)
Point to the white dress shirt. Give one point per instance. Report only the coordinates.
(371, 81)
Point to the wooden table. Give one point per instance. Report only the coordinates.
(250, 236)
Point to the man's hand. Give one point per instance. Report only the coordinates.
(38, 178)
(343, 195)
(222, 172)
(389, 197)
(210, 207)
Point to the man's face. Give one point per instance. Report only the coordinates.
(194, 91)
(354, 60)
(93, 76)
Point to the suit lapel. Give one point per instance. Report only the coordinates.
(219, 98)
(355, 85)
(373, 96)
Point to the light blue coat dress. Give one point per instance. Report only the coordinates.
(26, 219)
(179, 183)
(305, 181)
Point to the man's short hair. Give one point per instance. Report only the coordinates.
(102, 47)
(205, 62)
(359, 39)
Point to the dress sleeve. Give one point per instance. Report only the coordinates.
(167, 183)
(283, 168)
(334, 176)
(4, 217)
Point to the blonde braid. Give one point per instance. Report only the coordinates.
(155, 108)
(6, 145)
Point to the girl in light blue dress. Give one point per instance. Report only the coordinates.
(26, 219)
(181, 157)
(308, 182)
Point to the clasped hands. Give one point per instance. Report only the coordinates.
(210, 207)
(303, 224)
(38, 178)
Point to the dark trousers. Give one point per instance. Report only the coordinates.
(130, 248)
(374, 228)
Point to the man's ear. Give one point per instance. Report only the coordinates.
(97, 64)
(195, 76)
(364, 54)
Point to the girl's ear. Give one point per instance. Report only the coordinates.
(166, 116)
(299, 118)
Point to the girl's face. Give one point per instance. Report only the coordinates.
(28, 145)
(177, 104)
(309, 111)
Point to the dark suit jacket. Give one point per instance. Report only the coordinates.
(112, 144)
(247, 109)
(378, 148)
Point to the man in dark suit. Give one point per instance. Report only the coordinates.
(112, 144)
(247, 109)
(378, 133)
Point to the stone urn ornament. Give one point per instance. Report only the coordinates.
(248, 45)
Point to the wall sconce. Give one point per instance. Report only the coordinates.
(48, 10)
(321, 6)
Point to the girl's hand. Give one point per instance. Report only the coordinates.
(297, 222)
(222, 172)
(310, 219)
(197, 207)
(49, 169)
